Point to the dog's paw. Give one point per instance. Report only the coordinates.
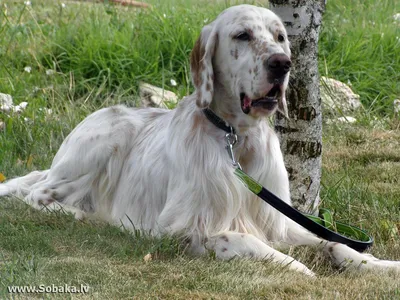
(59, 207)
(39, 198)
(299, 267)
(4, 190)
(346, 257)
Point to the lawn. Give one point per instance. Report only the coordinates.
(84, 56)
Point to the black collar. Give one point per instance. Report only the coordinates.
(217, 121)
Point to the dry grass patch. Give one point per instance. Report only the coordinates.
(110, 274)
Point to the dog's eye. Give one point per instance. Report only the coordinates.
(243, 36)
(281, 38)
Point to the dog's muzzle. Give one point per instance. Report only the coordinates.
(277, 66)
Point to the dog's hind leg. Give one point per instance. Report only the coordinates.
(86, 169)
(60, 207)
(89, 159)
(21, 186)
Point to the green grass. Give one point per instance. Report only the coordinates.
(359, 44)
(99, 53)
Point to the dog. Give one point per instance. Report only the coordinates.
(169, 172)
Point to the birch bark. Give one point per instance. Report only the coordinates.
(301, 135)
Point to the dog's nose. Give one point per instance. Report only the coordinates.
(278, 65)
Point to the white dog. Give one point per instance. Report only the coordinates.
(168, 171)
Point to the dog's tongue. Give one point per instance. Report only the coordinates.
(246, 103)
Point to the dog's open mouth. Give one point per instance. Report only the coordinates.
(268, 102)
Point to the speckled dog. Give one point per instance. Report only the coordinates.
(167, 171)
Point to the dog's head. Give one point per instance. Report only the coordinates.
(244, 52)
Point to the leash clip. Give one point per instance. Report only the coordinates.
(231, 140)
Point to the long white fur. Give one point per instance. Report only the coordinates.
(167, 171)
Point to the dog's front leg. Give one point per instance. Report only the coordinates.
(233, 244)
(341, 255)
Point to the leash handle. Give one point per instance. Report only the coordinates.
(312, 223)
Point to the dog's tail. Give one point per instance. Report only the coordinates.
(21, 186)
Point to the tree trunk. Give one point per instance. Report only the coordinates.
(301, 135)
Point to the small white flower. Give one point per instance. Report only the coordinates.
(6, 99)
(28, 69)
(27, 3)
(20, 107)
(396, 105)
(164, 15)
(23, 105)
(50, 72)
(396, 17)
(63, 5)
(6, 108)
(6, 103)
(347, 119)
(173, 82)
(205, 20)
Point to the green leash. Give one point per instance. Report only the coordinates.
(323, 226)
(325, 219)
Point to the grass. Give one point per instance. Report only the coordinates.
(359, 45)
(98, 54)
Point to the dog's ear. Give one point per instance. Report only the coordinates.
(201, 65)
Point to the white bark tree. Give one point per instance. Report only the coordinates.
(301, 135)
